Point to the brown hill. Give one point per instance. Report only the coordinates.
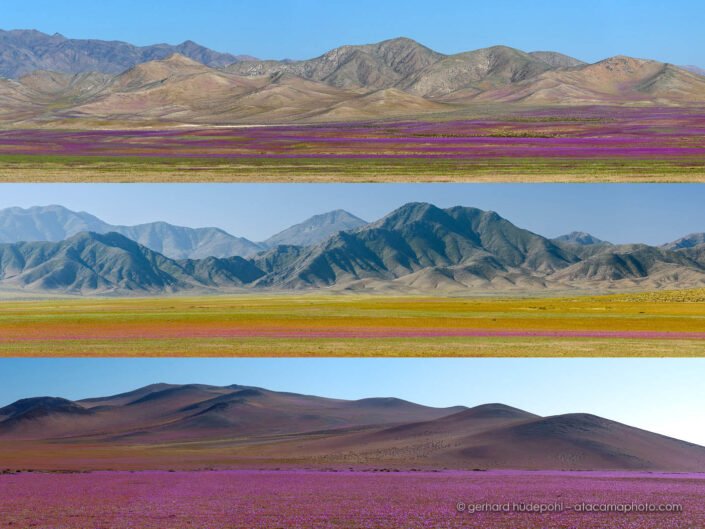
(192, 425)
(16, 101)
(386, 102)
(70, 88)
(146, 74)
(200, 412)
(174, 89)
(178, 89)
(617, 80)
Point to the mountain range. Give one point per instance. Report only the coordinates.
(57, 223)
(191, 425)
(415, 248)
(53, 80)
(25, 51)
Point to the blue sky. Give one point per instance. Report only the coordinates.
(661, 395)
(670, 31)
(652, 214)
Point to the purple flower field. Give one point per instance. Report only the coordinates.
(552, 144)
(348, 500)
(571, 134)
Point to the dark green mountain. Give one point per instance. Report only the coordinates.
(111, 263)
(421, 236)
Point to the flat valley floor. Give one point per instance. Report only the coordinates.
(490, 143)
(668, 323)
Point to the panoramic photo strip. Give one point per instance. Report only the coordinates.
(352, 270)
(320, 91)
(352, 443)
(311, 264)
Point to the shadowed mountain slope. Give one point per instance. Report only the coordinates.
(421, 236)
(689, 241)
(111, 263)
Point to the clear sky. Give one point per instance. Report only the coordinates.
(652, 214)
(670, 31)
(661, 395)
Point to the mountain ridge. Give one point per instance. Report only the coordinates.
(417, 247)
(315, 229)
(33, 50)
(237, 425)
(56, 223)
(580, 237)
(187, 84)
(692, 240)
